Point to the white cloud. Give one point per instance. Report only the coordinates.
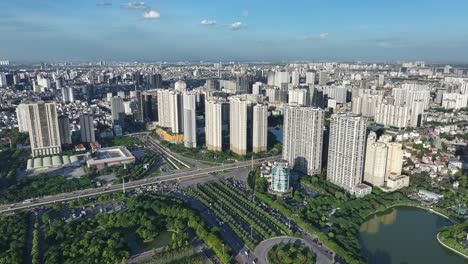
(245, 13)
(320, 36)
(207, 22)
(236, 25)
(151, 14)
(134, 5)
(323, 35)
(103, 3)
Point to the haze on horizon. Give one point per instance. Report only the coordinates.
(246, 30)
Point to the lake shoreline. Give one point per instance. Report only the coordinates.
(450, 248)
(383, 215)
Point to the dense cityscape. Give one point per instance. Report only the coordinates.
(275, 159)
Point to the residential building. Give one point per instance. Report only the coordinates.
(303, 138)
(346, 151)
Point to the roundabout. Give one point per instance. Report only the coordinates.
(293, 249)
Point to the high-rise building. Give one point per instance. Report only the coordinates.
(381, 81)
(190, 120)
(295, 78)
(310, 78)
(281, 77)
(87, 128)
(176, 112)
(346, 150)
(240, 121)
(376, 161)
(67, 94)
(170, 110)
(64, 130)
(298, 97)
(280, 177)
(391, 115)
(3, 81)
(303, 138)
(417, 112)
(394, 159)
(22, 116)
(44, 134)
(384, 160)
(260, 128)
(117, 110)
(242, 84)
(216, 116)
(153, 81)
(323, 78)
(148, 104)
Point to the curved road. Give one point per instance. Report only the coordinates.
(261, 251)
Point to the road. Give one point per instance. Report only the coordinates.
(261, 251)
(170, 176)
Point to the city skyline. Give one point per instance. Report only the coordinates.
(239, 31)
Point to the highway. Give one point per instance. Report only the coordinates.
(170, 176)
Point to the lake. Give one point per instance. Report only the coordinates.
(405, 235)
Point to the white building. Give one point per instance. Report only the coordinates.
(346, 151)
(310, 78)
(190, 121)
(240, 110)
(260, 128)
(22, 116)
(117, 110)
(216, 111)
(303, 138)
(298, 97)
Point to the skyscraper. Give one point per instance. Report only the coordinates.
(376, 161)
(310, 78)
(417, 112)
(280, 176)
(190, 121)
(67, 94)
(117, 110)
(22, 116)
(303, 138)
(148, 104)
(323, 78)
(240, 118)
(216, 114)
(346, 151)
(43, 127)
(260, 128)
(64, 130)
(298, 97)
(87, 128)
(170, 110)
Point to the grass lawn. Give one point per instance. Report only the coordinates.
(138, 246)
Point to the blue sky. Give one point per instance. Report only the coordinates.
(274, 30)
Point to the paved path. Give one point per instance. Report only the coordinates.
(261, 251)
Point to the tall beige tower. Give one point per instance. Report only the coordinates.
(394, 159)
(216, 110)
(190, 122)
(260, 128)
(240, 111)
(376, 161)
(43, 128)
